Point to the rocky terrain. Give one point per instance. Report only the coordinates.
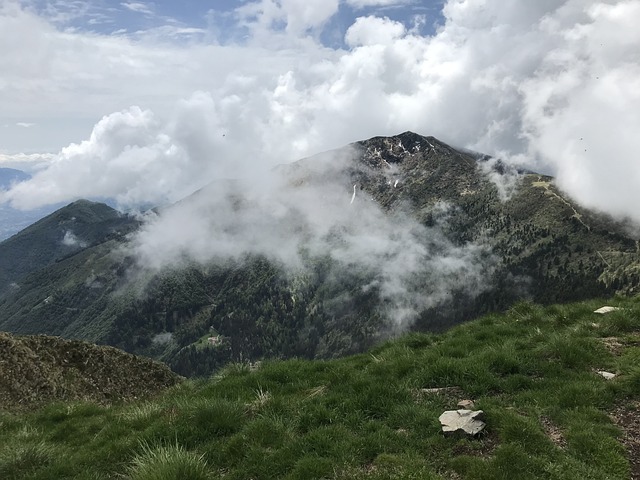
(35, 370)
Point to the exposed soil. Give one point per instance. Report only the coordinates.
(553, 432)
(35, 370)
(613, 344)
(627, 418)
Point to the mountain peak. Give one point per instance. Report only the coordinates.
(393, 150)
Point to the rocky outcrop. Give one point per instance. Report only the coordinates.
(38, 369)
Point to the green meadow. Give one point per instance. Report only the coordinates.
(533, 370)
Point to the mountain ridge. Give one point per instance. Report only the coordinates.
(72, 228)
(540, 244)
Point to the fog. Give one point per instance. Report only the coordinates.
(297, 214)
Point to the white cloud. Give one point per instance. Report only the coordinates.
(25, 124)
(297, 18)
(137, 7)
(525, 80)
(580, 107)
(71, 240)
(296, 217)
(131, 156)
(374, 31)
(359, 4)
(26, 162)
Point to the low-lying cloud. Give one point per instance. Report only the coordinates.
(71, 240)
(295, 216)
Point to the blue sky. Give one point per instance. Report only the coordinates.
(108, 16)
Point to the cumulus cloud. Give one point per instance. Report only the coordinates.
(136, 158)
(374, 31)
(581, 106)
(548, 84)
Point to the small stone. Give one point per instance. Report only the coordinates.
(469, 422)
(607, 375)
(606, 309)
(466, 404)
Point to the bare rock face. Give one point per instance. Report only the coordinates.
(468, 422)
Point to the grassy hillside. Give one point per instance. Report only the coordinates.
(533, 370)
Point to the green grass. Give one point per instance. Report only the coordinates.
(531, 369)
(168, 462)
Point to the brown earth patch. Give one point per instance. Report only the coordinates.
(613, 344)
(35, 370)
(627, 418)
(553, 432)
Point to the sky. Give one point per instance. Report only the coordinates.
(145, 102)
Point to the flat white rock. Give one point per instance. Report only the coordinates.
(605, 309)
(468, 421)
(607, 375)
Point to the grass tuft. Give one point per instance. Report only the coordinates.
(167, 462)
(23, 459)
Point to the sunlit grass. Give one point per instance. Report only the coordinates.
(167, 462)
(369, 416)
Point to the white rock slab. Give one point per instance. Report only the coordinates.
(607, 375)
(469, 422)
(606, 309)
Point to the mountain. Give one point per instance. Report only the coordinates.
(433, 236)
(65, 232)
(9, 176)
(11, 219)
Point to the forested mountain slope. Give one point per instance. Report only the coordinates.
(432, 236)
(78, 226)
